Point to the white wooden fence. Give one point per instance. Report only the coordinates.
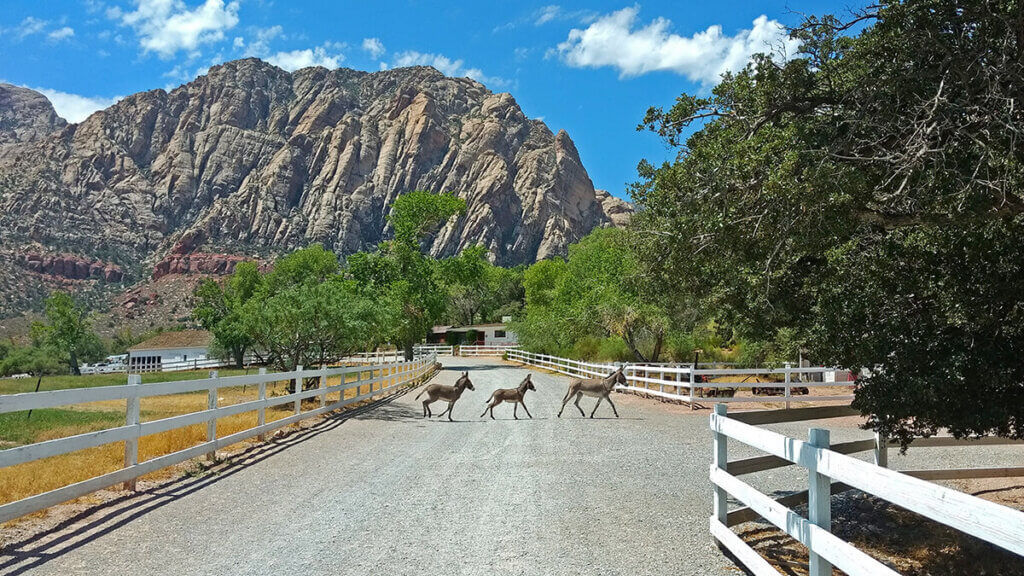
(830, 470)
(685, 384)
(485, 350)
(374, 379)
(439, 349)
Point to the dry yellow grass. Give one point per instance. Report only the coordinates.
(40, 476)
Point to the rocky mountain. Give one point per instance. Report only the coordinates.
(250, 160)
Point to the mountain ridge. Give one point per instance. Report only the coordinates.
(252, 160)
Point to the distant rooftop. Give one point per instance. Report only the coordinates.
(175, 339)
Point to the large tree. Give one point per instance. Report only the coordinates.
(67, 331)
(219, 309)
(867, 195)
(401, 273)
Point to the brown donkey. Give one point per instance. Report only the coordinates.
(437, 392)
(599, 387)
(513, 395)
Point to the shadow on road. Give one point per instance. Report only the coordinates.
(96, 521)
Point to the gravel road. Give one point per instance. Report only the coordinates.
(388, 492)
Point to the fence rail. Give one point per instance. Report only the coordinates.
(685, 384)
(485, 350)
(378, 378)
(831, 470)
(439, 349)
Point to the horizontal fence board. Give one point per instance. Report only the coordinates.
(746, 514)
(29, 452)
(754, 562)
(965, 473)
(841, 554)
(760, 463)
(794, 414)
(950, 442)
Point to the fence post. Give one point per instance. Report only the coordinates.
(881, 451)
(298, 388)
(721, 461)
(323, 384)
(131, 445)
(211, 422)
(789, 372)
(261, 412)
(819, 503)
(692, 382)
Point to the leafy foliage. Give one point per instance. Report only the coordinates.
(219, 309)
(67, 331)
(865, 196)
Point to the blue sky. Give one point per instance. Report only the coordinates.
(591, 69)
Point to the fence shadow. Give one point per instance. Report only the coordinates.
(36, 549)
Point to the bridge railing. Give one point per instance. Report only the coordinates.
(683, 383)
(367, 381)
(830, 470)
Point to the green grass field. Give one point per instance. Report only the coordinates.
(11, 386)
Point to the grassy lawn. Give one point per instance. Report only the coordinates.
(20, 428)
(10, 386)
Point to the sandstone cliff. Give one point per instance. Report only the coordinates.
(251, 160)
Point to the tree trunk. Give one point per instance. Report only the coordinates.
(628, 337)
(656, 353)
(74, 363)
(238, 353)
(409, 349)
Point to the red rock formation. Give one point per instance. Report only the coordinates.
(69, 266)
(198, 263)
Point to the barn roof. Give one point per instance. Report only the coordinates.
(175, 339)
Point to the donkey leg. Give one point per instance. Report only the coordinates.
(579, 396)
(446, 410)
(515, 407)
(599, 398)
(609, 399)
(426, 408)
(450, 406)
(527, 410)
(565, 401)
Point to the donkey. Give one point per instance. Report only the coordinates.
(599, 387)
(512, 395)
(437, 392)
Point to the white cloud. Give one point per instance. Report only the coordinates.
(374, 47)
(613, 40)
(61, 34)
(29, 26)
(447, 66)
(75, 108)
(547, 14)
(328, 55)
(260, 45)
(169, 26)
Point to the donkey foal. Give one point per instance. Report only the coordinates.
(451, 394)
(599, 387)
(512, 395)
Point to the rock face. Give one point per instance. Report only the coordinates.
(68, 266)
(251, 160)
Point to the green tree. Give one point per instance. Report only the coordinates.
(219, 309)
(400, 274)
(866, 196)
(68, 331)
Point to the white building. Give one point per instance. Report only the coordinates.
(495, 334)
(180, 349)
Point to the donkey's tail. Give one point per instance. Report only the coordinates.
(421, 393)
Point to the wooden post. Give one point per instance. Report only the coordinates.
(721, 461)
(261, 412)
(323, 384)
(819, 503)
(211, 422)
(298, 388)
(789, 372)
(881, 451)
(132, 411)
(692, 391)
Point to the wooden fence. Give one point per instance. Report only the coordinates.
(368, 381)
(439, 349)
(484, 350)
(831, 470)
(683, 383)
